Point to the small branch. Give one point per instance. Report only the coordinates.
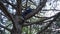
(26, 3)
(50, 9)
(28, 24)
(40, 17)
(39, 8)
(5, 27)
(39, 22)
(3, 14)
(4, 10)
(32, 2)
(56, 16)
(10, 4)
(9, 25)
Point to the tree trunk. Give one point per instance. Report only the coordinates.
(18, 30)
(18, 26)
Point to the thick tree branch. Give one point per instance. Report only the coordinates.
(4, 10)
(39, 8)
(56, 16)
(39, 22)
(19, 7)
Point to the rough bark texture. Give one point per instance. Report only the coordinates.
(17, 31)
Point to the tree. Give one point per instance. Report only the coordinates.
(16, 18)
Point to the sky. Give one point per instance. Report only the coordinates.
(54, 5)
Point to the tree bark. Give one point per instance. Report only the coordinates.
(17, 31)
(18, 26)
